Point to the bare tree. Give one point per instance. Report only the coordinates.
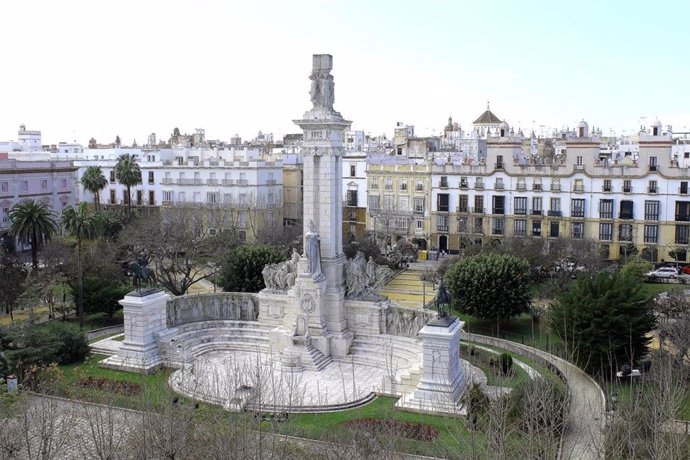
(177, 243)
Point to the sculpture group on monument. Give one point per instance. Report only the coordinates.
(318, 313)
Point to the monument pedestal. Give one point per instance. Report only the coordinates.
(145, 315)
(441, 384)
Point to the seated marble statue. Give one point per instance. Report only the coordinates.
(363, 277)
(281, 276)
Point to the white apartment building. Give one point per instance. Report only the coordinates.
(631, 202)
(244, 190)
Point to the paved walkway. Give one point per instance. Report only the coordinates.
(583, 438)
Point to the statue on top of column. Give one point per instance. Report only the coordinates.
(322, 85)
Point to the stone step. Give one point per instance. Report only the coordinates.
(220, 324)
(274, 408)
(215, 331)
(305, 357)
(383, 356)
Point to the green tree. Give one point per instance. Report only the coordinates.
(34, 221)
(491, 286)
(241, 267)
(637, 268)
(100, 295)
(603, 321)
(94, 181)
(12, 285)
(128, 173)
(81, 225)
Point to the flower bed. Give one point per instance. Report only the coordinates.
(121, 387)
(407, 430)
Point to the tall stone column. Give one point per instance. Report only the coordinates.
(322, 149)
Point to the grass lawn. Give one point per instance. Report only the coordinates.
(98, 320)
(154, 387)
(656, 288)
(493, 375)
(453, 441)
(23, 314)
(522, 329)
(624, 391)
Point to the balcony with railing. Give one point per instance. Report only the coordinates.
(627, 189)
(578, 188)
(242, 182)
(552, 213)
(228, 182)
(498, 186)
(537, 187)
(537, 212)
(463, 209)
(479, 185)
(555, 187)
(167, 181)
(442, 228)
(212, 182)
(625, 215)
(682, 217)
(521, 187)
(271, 182)
(464, 185)
(606, 188)
(521, 211)
(443, 184)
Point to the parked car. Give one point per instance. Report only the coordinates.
(663, 272)
(685, 270)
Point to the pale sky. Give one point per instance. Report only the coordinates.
(82, 69)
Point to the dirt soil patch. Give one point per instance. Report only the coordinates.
(121, 387)
(407, 430)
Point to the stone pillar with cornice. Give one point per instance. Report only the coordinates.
(322, 289)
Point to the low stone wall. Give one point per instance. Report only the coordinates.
(405, 321)
(213, 306)
(366, 317)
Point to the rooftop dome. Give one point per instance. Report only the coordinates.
(656, 123)
(583, 124)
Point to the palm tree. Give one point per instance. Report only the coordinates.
(94, 181)
(128, 174)
(82, 225)
(34, 221)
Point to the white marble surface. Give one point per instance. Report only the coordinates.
(219, 376)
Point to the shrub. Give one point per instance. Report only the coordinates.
(476, 404)
(55, 342)
(506, 363)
